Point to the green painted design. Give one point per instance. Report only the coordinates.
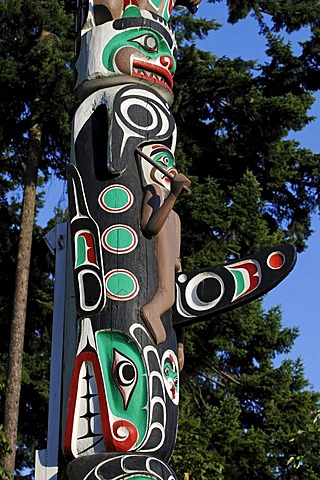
(132, 37)
(119, 238)
(171, 374)
(157, 3)
(132, 11)
(165, 159)
(80, 251)
(240, 283)
(120, 357)
(115, 199)
(121, 285)
(166, 13)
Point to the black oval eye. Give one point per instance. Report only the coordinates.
(125, 375)
(166, 371)
(175, 381)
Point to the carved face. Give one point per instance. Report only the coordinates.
(143, 49)
(170, 372)
(165, 159)
(108, 402)
(124, 375)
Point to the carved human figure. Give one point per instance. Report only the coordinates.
(159, 220)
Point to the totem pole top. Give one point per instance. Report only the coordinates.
(126, 42)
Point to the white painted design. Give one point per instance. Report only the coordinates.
(86, 336)
(179, 306)
(171, 387)
(119, 209)
(121, 294)
(191, 295)
(182, 278)
(87, 436)
(155, 401)
(127, 471)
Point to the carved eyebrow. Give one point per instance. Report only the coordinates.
(123, 23)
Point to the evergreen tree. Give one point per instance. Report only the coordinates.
(252, 187)
(35, 76)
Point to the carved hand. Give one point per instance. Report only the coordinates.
(178, 183)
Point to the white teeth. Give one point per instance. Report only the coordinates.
(148, 74)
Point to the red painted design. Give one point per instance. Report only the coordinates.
(92, 358)
(171, 5)
(163, 147)
(127, 434)
(91, 254)
(173, 172)
(118, 209)
(124, 297)
(128, 3)
(254, 277)
(119, 250)
(114, 442)
(166, 61)
(150, 67)
(275, 260)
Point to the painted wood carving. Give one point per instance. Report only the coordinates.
(120, 413)
(129, 298)
(211, 291)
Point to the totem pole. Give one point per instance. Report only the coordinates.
(125, 299)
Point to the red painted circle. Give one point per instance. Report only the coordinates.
(124, 441)
(275, 260)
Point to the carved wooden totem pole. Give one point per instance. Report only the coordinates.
(121, 341)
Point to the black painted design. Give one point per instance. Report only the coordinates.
(214, 290)
(115, 466)
(88, 270)
(135, 116)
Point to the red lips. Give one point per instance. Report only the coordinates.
(150, 72)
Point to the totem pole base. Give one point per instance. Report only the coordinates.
(112, 466)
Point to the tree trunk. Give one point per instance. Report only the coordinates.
(21, 294)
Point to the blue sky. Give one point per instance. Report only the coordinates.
(297, 294)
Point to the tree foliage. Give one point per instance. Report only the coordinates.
(35, 79)
(36, 99)
(252, 187)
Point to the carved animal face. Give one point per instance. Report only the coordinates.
(143, 49)
(171, 376)
(165, 159)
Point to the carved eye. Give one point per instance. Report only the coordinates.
(166, 371)
(148, 42)
(125, 375)
(164, 160)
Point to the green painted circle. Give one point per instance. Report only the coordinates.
(121, 285)
(119, 239)
(116, 199)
